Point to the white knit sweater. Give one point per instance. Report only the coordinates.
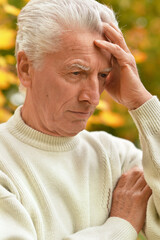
(54, 188)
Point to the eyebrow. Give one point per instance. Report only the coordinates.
(77, 65)
(107, 69)
(86, 68)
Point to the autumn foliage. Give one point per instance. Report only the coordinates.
(140, 23)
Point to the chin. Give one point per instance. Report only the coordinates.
(72, 131)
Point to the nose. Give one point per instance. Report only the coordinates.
(90, 92)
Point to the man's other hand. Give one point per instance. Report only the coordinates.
(130, 198)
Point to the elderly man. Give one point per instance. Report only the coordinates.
(58, 181)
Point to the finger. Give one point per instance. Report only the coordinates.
(115, 27)
(127, 180)
(130, 178)
(121, 56)
(121, 182)
(140, 184)
(147, 191)
(134, 179)
(115, 36)
(114, 74)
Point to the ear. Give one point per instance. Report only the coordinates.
(24, 69)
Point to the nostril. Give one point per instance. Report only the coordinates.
(92, 97)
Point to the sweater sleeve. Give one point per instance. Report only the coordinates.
(15, 222)
(147, 119)
(114, 229)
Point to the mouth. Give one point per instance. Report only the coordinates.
(82, 115)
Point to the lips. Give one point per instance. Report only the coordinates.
(80, 114)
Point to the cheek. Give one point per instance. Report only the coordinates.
(102, 86)
(61, 97)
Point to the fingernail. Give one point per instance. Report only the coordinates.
(106, 25)
(98, 41)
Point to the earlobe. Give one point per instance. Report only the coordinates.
(24, 69)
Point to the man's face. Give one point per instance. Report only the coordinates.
(67, 89)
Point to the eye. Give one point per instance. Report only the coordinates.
(103, 75)
(76, 73)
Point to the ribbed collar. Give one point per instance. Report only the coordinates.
(34, 138)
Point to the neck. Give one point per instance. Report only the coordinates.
(33, 119)
(38, 139)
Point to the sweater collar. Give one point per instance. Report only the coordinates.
(36, 139)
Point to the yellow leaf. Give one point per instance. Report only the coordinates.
(10, 59)
(7, 78)
(3, 62)
(111, 119)
(4, 115)
(107, 118)
(4, 83)
(11, 9)
(139, 56)
(7, 38)
(103, 105)
(2, 99)
(2, 1)
(93, 120)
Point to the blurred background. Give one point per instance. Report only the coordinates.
(139, 21)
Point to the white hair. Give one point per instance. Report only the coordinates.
(42, 22)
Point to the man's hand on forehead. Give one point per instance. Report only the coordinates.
(114, 35)
(123, 83)
(115, 44)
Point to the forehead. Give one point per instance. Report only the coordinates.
(78, 48)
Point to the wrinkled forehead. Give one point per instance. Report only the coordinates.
(80, 45)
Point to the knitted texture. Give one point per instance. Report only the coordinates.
(54, 188)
